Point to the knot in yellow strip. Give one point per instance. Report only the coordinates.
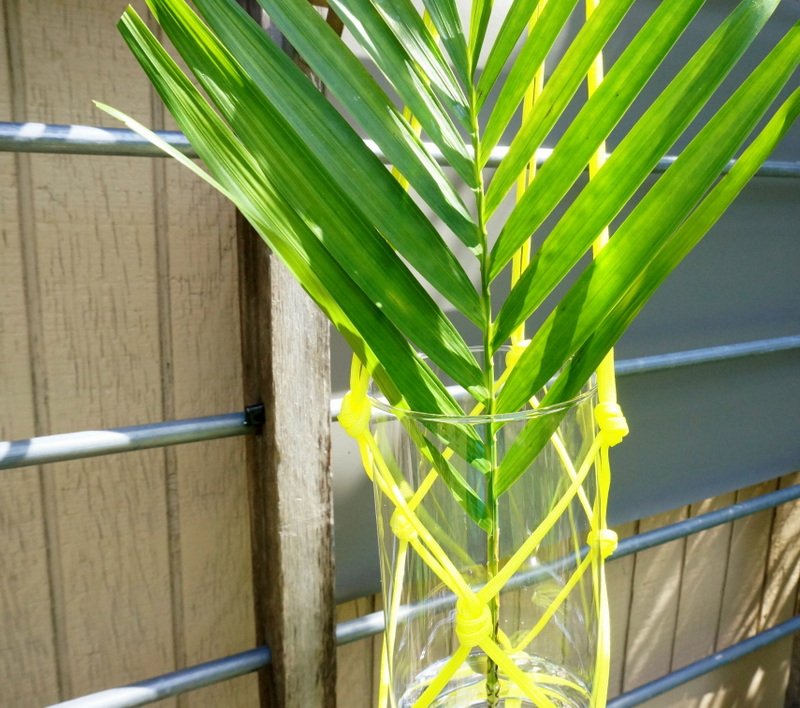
(355, 414)
(611, 421)
(604, 541)
(402, 528)
(515, 352)
(473, 621)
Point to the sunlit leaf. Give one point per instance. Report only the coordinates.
(626, 169)
(347, 79)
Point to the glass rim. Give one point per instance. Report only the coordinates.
(380, 402)
(480, 418)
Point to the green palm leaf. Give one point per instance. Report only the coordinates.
(448, 23)
(650, 225)
(347, 79)
(343, 153)
(614, 96)
(298, 174)
(240, 177)
(479, 23)
(368, 253)
(512, 27)
(412, 33)
(627, 168)
(589, 355)
(368, 26)
(565, 81)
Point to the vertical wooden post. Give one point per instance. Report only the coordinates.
(286, 367)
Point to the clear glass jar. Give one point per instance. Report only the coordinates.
(489, 595)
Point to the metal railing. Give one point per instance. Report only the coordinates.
(91, 443)
(92, 140)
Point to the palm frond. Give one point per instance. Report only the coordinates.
(370, 253)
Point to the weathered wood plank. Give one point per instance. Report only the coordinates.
(746, 570)
(619, 576)
(654, 605)
(286, 368)
(285, 351)
(355, 669)
(783, 563)
(700, 598)
(755, 681)
(793, 681)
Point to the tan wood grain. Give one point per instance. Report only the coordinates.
(286, 366)
(654, 604)
(28, 672)
(793, 681)
(746, 571)
(211, 529)
(377, 653)
(754, 681)
(355, 669)
(783, 564)
(619, 577)
(95, 257)
(285, 351)
(700, 598)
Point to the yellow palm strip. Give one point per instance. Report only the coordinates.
(433, 554)
(607, 393)
(556, 603)
(526, 549)
(517, 675)
(607, 389)
(523, 256)
(446, 673)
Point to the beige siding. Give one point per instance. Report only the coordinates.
(27, 641)
(120, 303)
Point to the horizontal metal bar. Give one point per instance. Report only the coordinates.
(92, 443)
(677, 360)
(184, 680)
(663, 362)
(93, 140)
(85, 140)
(195, 677)
(704, 666)
(687, 527)
(173, 684)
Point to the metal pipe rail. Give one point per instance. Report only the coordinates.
(184, 680)
(90, 443)
(92, 140)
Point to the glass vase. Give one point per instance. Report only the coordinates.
(491, 593)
